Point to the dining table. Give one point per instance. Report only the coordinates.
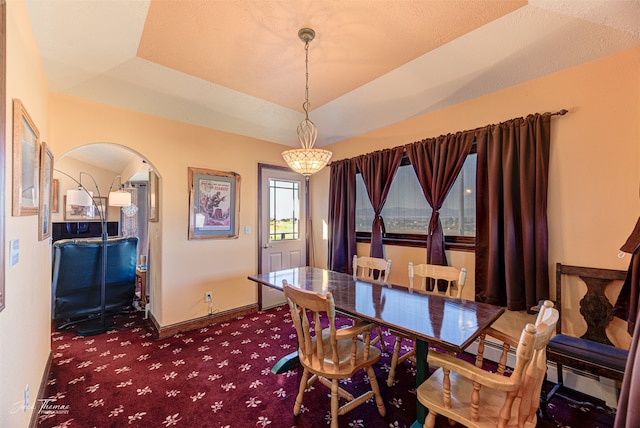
(448, 323)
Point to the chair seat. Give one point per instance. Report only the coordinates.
(345, 367)
(609, 360)
(431, 392)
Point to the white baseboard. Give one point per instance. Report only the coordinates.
(581, 381)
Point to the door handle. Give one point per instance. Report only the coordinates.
(266, 246)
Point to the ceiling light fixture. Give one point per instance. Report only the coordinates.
(307, 160)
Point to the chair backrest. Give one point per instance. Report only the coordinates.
(307, 304)
(77, 275)
(531, 359)
(446, 273)
(371, 268)
(594, 305)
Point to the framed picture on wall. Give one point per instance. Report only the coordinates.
(153, 196)
(26, 150)
(214, 204)
(46, 192)
(55, 202)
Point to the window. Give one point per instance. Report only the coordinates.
(284, 210)
(406, 213)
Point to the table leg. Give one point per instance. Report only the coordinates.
(422, 372)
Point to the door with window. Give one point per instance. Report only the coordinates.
(282, 234)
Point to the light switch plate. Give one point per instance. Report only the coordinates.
(14, 252)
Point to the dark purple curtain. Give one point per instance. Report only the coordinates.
(378, 169)
(342, 215)
(512, 266)
(628, 414)
(627, 308)
(437, 162)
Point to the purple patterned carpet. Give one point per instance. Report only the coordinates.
(219, 376)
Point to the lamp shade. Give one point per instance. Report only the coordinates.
(119, 199)
(80, 196)
(307, 161)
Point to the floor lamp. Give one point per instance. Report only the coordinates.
(82, 197)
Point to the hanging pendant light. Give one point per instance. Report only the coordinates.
(307, 160)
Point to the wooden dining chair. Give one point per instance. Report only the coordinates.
(468, 394)
(373, 269)
(329, 355)
(455, 279)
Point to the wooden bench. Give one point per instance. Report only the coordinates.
(593, 352)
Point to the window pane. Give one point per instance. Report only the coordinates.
(284, 210)
(407, 211)
(458, 213)
(364, 210)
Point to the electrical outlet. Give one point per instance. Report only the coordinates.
(208, 297)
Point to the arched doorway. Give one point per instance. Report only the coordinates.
(101, 168)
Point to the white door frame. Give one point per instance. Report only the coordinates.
(262, 169)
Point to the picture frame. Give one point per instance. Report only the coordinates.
(55, 203)
(46, 192)
(153, 196)
(26, 151)
(86, 213)
(214, 204)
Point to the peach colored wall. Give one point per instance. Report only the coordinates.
(25, 322)
(593, 201)
(181, 270)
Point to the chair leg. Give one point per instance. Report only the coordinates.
(334, 403)
(430, 420)
(303, 386)
(376, 391)
(383, 344)
(557, 386)
(559, 369)
(394, 362)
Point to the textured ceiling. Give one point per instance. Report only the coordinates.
(252, 47)
(238, 66)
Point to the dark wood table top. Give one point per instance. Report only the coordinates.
(439, 320)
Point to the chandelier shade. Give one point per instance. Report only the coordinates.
(307, 160)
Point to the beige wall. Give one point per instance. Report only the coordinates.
(25, 322)
(593, 199)
(181, 270)
(594, 177)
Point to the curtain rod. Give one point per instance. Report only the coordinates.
(561, 112)
(557, 113)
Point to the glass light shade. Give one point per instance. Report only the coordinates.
(119, 199)
(81, 197)
(307, 161)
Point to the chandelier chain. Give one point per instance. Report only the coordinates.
(306, 104)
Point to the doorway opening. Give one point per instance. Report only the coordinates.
(282, 235)
(100, 168)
